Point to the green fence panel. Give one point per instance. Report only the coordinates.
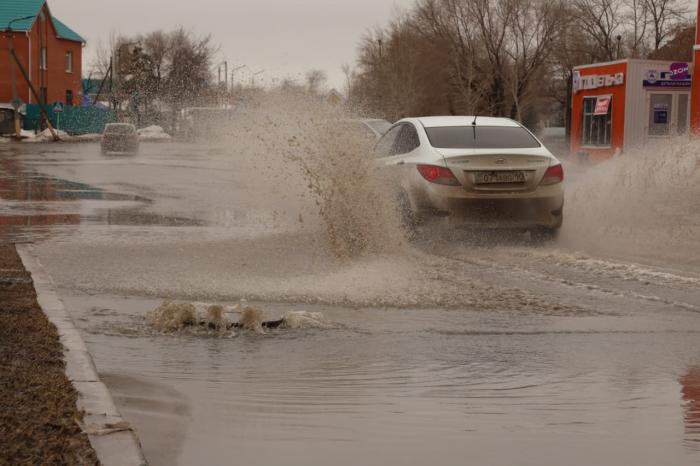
(73, 120)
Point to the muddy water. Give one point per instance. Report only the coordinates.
(407, 386)
(453, 349)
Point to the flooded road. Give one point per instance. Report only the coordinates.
(451, 349)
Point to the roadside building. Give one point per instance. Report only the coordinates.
(335, 98)
(626, 103)
(48, 50)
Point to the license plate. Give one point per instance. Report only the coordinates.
(499, 177)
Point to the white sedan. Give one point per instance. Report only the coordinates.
(478, 171)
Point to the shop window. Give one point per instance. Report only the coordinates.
(597, 121)
(69, 62)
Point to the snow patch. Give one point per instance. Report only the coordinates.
(153, 133)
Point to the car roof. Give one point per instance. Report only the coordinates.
(438, 121)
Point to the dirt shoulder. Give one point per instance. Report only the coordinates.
(38, 414)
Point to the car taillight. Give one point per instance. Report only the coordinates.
(553, 175)
(439, 175)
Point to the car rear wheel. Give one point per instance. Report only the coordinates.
(546, 234)
(549, 232)
(409, 219)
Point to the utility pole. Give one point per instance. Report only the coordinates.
(15, 97)
(254, 75)
(226, 75)
(16, 102)
(42, 108)
(233, 75)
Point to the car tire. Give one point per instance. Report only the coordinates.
(408, 218)
(546, 234)
(549, 233)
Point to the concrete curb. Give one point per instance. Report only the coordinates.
(112, 438)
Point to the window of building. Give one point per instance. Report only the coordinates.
(69, 62)
(597, 121)
(42, 59)
(69, 98)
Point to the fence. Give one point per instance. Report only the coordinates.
(73, 120)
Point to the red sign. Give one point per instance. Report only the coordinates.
(602, 105)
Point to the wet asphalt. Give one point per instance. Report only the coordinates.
(467, 347)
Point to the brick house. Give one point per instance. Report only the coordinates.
(49, 51)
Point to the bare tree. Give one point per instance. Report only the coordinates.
(450, 22)
(602, 22)
(664, 17)
(187, 66)
(637, 17)
(533, 30)
(679, 45)
(501, 57)
(315, 80)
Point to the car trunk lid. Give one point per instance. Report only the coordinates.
(497, 171)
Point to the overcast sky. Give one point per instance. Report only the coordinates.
(283, 37)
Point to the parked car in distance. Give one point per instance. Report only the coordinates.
(120, 138)
(478, 171)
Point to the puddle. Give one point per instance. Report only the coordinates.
(381, 379)
(33, 205)
(19, 184)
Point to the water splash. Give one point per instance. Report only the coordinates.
(177, 317)
(251, 319)
(644, 201)
(305, 319)
(324, 166)
(171, 316)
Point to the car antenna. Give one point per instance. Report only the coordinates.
(474, 126)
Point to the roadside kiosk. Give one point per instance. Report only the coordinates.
(623, 104)
(626, 103)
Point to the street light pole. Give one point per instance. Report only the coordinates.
(252, 78)
(233, 75)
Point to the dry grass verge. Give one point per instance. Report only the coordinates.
(38, 414)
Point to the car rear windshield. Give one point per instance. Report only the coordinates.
(481, 137)
(119, 129)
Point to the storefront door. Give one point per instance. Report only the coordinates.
(668, 113)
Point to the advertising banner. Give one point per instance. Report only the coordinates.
(602, 105)
(676, 76)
